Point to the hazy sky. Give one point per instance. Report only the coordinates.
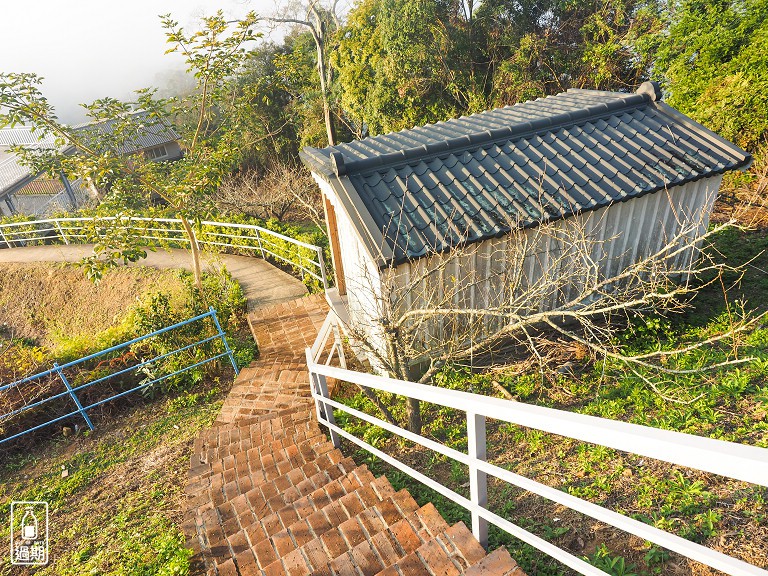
(88, 49)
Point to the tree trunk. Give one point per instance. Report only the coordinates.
(197, 268)
(413, 410)
(322, 71)
(412, 406)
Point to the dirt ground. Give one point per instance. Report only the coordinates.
(46, 301)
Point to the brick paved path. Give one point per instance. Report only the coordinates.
(269, 495)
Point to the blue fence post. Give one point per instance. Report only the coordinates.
(74, 396)
(212, 310)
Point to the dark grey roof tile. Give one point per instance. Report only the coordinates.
(389, 176)
(466, 179)
(373, 179)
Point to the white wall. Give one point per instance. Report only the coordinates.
(361, 274)
(620, 234)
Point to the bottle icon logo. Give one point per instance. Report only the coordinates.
(29, 533)
(29, 525)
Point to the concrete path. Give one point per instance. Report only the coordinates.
(262, 283)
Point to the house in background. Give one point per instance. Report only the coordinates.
(22, 192)
(631, 170)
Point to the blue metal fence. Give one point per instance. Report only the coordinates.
(58, 370)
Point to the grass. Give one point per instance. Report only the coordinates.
(730, 404)
(116, 495)
(118, 510)
(54, 306)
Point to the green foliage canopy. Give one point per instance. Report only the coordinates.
(714, 62)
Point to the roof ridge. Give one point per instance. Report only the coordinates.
(342, 166)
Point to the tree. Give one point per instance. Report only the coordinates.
(322, 22)
(400, 63)
(527, 294)
(282, 192)
(541, 48)
(712, 62)
(105, 152)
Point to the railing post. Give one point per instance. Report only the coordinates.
(61, 232)
(261, 247)
(223, 336)
(338, 345)
(2, 235)
(478, 480)
(321, 387)
(322, 267)
(60, 372)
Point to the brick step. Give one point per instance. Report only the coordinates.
(270, 392)
(206, 522)
(327, 508)
(244, 408)
(269, 495)
(365, 543)
(281, 532)
(269, 400)
(242, 522)
(249, 473)
(498, 563)
(271, 498)
(450, 553)
(270, 371)
(272, 382)
(258, 457)
(237, 431)
(228, 416)
(231, 444)
(284, 394)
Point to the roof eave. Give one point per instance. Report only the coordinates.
(372, 239)
(746, 158)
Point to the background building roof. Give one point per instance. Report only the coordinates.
(137, 132)
(472, 178)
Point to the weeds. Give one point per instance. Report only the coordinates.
(117, 510)
(729, 404)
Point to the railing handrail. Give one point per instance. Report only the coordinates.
(72, 391)
(742, 462)
(106, 351)
(737, 461)
(9, 235)
(167, 220)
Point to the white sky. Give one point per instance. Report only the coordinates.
(89, 49)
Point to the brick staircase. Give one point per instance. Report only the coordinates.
(268, 494)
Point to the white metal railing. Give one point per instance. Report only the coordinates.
(728, 459)
(248, 238)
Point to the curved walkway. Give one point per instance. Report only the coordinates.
(262, 282)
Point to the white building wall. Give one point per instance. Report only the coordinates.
(361, 274)
(622, 233)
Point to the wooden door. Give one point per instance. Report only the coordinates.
(333, 237)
